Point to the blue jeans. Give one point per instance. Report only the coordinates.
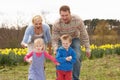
(76, 67)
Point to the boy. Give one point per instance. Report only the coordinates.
(66, 56)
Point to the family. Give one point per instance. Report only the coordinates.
(68, 34)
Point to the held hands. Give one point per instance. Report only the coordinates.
(69, 58)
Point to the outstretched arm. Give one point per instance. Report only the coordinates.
(47, 55)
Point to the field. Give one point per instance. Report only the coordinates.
(106, 68)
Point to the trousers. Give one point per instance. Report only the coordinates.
(64, 75)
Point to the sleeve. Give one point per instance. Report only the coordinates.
(73, 54)
(55, 34)
(28, 56)
(26, 35)
(59, 58)
(48, 56)
(84, 35)
(48, 33)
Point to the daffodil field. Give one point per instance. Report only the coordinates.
(100, 51)
(9, 57)
(15, 56)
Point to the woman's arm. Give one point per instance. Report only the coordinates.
(28, 32)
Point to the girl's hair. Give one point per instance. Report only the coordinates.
(39, 41)
(64, 8)
(66, 37)
(36, 17)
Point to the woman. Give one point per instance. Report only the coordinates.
(37, 30)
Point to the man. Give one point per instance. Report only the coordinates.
(74, 26)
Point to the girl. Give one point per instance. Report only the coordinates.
(36, 70)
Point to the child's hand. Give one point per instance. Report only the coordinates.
(29, 61)
(57, 63)
(69, 58)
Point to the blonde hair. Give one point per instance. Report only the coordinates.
(39, 41)
(36, 17)
(66, 37)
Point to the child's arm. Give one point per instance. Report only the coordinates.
(59, 58)
(51, 58)
(26, 58)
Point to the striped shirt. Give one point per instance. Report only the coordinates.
(75, 28)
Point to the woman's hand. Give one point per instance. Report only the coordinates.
(24, 45)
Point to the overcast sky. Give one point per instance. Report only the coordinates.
(21, 11)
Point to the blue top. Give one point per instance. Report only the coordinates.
(61, 55)
(29, 32)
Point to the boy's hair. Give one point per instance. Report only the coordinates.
(66, 37)
(39, 41)
(64, 8)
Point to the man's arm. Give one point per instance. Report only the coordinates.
(84, 38)
(55, 37)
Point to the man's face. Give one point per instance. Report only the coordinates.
(65, 16)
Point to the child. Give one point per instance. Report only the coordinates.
(66, 56)
(36, 70)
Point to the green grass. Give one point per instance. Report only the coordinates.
(106, 68)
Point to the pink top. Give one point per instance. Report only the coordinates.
(39, 55)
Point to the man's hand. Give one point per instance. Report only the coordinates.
(49, 48)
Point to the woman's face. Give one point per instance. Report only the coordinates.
(37, 22)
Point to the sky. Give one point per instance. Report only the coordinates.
(22, 11)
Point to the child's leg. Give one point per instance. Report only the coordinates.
(56, 75)
(60, 75)
(68, 75)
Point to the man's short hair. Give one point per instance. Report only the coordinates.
(64, 8)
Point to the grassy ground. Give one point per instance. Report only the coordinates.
(106, 68)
